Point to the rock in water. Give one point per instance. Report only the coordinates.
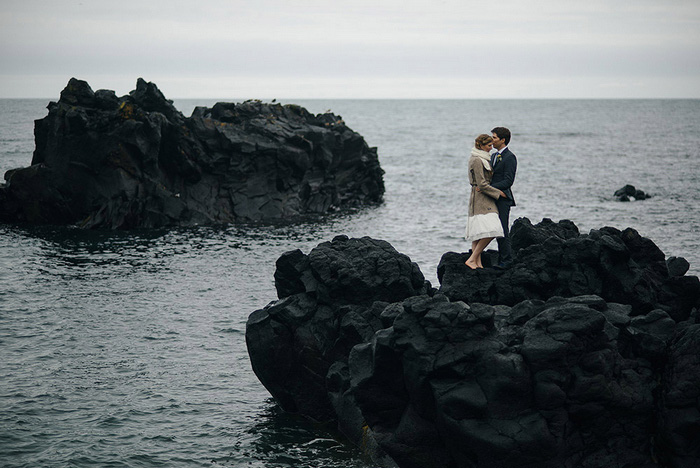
(330, 300)
(585, 353)
(136, 162)
(628, 192)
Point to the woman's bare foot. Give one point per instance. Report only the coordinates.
(471, 265)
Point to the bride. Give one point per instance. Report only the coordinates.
(483, 224)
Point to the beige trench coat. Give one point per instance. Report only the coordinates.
(483, 202)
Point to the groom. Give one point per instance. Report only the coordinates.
(504, 166)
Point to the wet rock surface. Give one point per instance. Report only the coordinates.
(541, 365)
(135, 161)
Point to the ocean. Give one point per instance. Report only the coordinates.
(127, 349)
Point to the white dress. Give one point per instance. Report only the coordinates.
(483, 226)
(483, 220)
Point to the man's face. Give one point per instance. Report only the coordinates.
(497, 142)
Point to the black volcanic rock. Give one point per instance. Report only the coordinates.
(619, 266)
(583, 354)
(629, 191)
(449, 386)
(330, 300)
(524, 234)
(107, 162)
(677, 266)
(679, 418)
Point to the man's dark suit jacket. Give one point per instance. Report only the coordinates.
(504, 174)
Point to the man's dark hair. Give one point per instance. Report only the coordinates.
(503, 133)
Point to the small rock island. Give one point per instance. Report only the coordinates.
(630, 192)
(585, 353)
(135, 161)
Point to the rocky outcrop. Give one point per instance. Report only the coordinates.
(330, 300)
(475, 386)
(629, 192)
(679, 416)
(554, 259)
(103, 161)
(479, 374)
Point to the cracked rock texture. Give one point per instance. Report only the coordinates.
(554, 259)
(330, 300)
(135, 161)
(584, 354)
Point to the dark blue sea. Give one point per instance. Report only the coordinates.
(126, 349)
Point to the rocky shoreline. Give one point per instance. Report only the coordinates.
(135, 161)
(586, 353)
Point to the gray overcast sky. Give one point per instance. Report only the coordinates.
(354, 48)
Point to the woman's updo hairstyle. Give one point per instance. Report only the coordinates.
(482, 140)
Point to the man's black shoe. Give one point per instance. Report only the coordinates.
(503, 266)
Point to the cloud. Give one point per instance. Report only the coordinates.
(364, 43)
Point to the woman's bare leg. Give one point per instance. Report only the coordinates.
(474, 260)
(474, 244)
(486, 242)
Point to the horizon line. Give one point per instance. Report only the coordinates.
(405, 98)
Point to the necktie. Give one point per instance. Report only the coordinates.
(494, 159)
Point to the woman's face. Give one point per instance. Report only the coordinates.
(487, 147)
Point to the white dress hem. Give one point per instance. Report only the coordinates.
(482, 226)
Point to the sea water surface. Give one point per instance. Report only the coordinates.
(127, 349)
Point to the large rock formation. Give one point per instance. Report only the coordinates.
(330, 300)
(588, 359)
(553, 259)
(107, 162)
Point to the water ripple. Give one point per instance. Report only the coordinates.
(127, 349)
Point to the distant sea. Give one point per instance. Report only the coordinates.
(127, 349)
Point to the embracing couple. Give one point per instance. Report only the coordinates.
(492, 169)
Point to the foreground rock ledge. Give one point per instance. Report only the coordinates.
(585, 354)
(136, 162)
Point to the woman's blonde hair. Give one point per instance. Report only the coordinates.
(482, 140)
